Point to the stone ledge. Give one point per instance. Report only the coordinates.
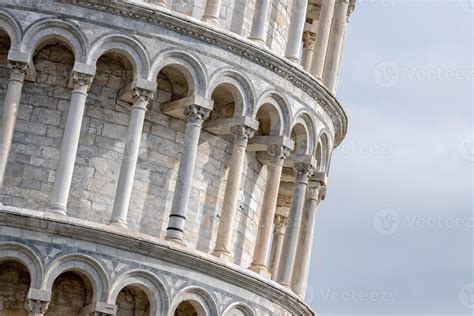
(154, 247)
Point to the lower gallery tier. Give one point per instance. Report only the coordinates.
(99, 269)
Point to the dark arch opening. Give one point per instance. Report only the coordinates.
(186, 308)
(71, 292)
(173, 83)
(14, 285)
(132, 301)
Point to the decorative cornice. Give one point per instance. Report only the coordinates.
(233, 43)
(43, 222)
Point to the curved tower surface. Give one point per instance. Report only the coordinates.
(164, 157)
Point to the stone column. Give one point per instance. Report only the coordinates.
(295, 31)
(299, 278)
(195, 115)
(259, 262)
(231, 195)
(70, 142)
(288, 254)
(212, 11)
(260, 21)
(130, 157)
(322, 38)
(10, 112)
(277, 243)
(308, 47)
(336, 41)
(36, 307)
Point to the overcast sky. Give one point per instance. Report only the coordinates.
(395, 233)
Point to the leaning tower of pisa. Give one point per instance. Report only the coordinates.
(164, 157)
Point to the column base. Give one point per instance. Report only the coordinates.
(260, 269)
(175, 238)
(294, 59)
(223, 254)
(211, 20)
(257, 40)
(118, 223)
(57, 209)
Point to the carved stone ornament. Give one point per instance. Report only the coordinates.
(304, 171)
(242, 134)
(278, 152)
(36, 307)
(17, 70)
(196, 114)
(309, 39)
(81, 80)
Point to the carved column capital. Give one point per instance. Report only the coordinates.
(278, 153)
(141, 97)
(196, 114)
(313, 192)
(303, 171)
(81, 81)
(309, 39)
(36, 307)
(280, 220)
(17, 70)
(242, 134)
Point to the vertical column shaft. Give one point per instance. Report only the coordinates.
(195, 116)
(322, 38)
(212, 11)
(260, 21)
(231, 195)
(336, 41)
(308, 49)
(277, 244)
(129, 159)
(288, 254)
(67, 156)
(262, 243)
(295, 31)
(10, 113)
(299, 278)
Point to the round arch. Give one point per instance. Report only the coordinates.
(148, 283)
(201, 300)
(12, 27)
(64, 30)
(193, 69)
(305, 124)
(324, 142)
(86, 265)
(240, 83)
(23, 254)
(241, 307)
(127, 46)
(279, 112)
